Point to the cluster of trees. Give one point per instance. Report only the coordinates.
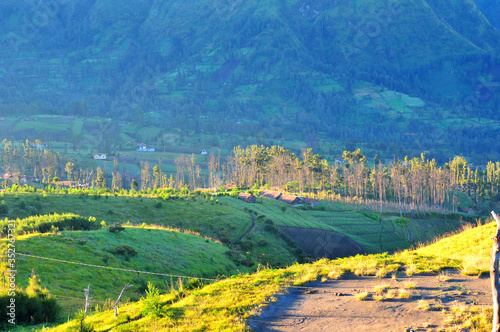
(411, 180)
(417, 180)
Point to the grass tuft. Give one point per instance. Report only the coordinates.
(404, 293)
(363, 296)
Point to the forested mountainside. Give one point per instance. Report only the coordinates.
(310, 67)
(490, 9)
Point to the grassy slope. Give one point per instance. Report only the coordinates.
(225, 305)
(158, 250)
(227, 219)
(175, 253)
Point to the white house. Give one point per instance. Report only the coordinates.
(100, 156)
(204, 152)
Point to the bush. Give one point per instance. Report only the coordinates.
(124, 250)
(116, 228)
(33, 306)
(46, 223)
(402, 221)
(4, 209)
(151, 304)
(193, 284)
(372, 216)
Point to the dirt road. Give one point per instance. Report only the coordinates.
(333, 306)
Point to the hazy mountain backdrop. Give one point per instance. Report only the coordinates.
(404, 76)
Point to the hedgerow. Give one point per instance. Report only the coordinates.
(50, 222)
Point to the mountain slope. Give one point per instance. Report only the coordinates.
(290, 66)
(382, 39)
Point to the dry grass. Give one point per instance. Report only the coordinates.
(474, 265)
(381, 288)
(391, 294)
(404, 293)
(443, 276)
(463, 318)
(363, 296)
(410, 284)
(423, 305)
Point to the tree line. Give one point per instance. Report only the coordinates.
(419, 181)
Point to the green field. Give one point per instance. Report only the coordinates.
(160, 251)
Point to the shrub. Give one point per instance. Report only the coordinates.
(124, 250)
(116, 228)
(33, 306)
(47, 223)
(4, 209)
(372, 216)
(402, 221)
(151, 304)
(193, 284)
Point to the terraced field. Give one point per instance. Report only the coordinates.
(373, 236)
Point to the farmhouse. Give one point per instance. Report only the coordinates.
(203, 152)
(247, 198)
(100, 156)
(310, 201)
(270, 194)
(290, 199)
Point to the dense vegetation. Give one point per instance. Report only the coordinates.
(273, 69)
(50, 223)
(418, 181)
(33, 305)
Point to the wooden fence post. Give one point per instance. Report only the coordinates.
(494, 276)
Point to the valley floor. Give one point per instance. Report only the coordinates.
(434, 304)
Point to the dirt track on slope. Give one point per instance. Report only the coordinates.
(332, 305)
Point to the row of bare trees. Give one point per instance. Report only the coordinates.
(416, 181)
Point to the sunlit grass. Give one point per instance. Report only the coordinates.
(361, 296)
(463, 318)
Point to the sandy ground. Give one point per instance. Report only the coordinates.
(332, 305)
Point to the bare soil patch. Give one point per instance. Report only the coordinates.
(333, 306)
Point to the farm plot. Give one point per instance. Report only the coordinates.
(77, 127)
(373, 236)
(320, 243)
(281, 213)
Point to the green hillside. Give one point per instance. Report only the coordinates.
(219, 239)
(242, 68)
(226, 305)
(155, 250)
